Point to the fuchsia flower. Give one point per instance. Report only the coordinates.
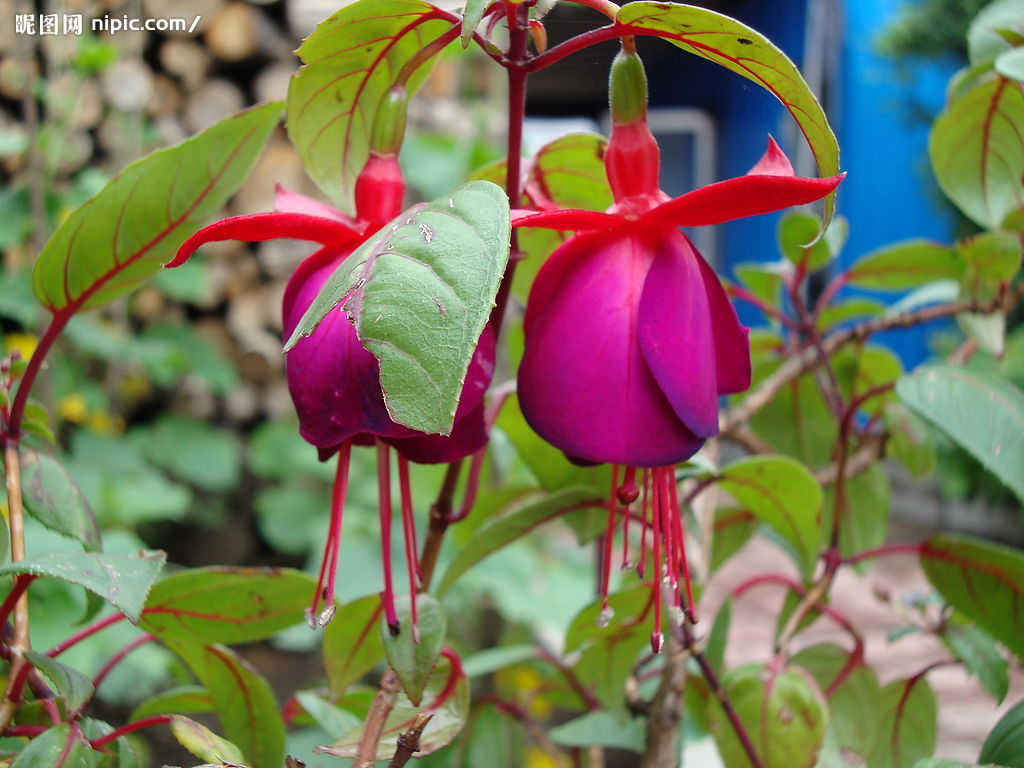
(334, 382)
(630, 338)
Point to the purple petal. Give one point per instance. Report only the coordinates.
(674, 324)
(732, 340)
(584, 385)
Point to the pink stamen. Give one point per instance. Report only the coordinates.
(409, 532)
(384, 505)
(315, 616)
(606, 564)
(681, 538)
(627, 494)
(645, 482)
(656, 581)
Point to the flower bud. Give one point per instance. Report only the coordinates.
(389, 123)
(627, 89)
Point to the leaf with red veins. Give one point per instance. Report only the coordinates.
(977, 153)
(748, 53)
(351, 60)
(257, 227)
(121, 236)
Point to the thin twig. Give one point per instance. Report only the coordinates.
(409, 741)
(803, 360)
(20, 641)
(381, 707)
(666, 709)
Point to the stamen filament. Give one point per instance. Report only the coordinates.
(606, 564)
(646, 483)
(688, 609)
(384, 505)
(409, 533)
(656, 636)
(630, 484)
(329, 563)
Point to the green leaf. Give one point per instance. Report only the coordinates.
(602, 729)
(982, 413)
(991, 259)
(204, 743)
(853, 712)
(784, 715)
(1011, 64)
(53, 498)
(121, 580)
(472, 13)
(419, 294)
(570, 172)
(413, 658)
(503, 531)
(547, 464)
(976, 649)
(714, 650)
(184, 698)
(764, 279)
(910, 440)
(75, 687)
(865, 517)
(610, 648)
(985, 36)
(491, 660)
(446, 724)
(907, 724)
(46, 749)
(1004, 744)
(796, 230)
(351, 60)
(122, 235)
(335, 721)
(849, 309)
(748, 53)
(982, 580)
(227, 605)
(905, 265)
(352, 644)
(781, 492)
(194, 452)
(245, 703)
(977, 153)
(733, 528)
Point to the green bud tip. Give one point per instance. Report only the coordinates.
(389, 122)
(627, 90)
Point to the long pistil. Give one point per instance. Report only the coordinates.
(409, 533)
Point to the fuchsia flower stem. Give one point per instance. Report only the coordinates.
(118, 657)
(81, 635)
(124, 730)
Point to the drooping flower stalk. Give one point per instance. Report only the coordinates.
(630, 338)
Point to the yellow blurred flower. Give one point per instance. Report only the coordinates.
(538, 758)
(104, 423)
(73, 408)
(25, 343)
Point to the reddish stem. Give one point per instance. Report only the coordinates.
(124, 730)
(888, 549)
(426, 53)
(21, 582)
(741, 293)
(89, 631)
(35, 364)
(28, 731)
(118, 657)
(456, 674)
(409, 534)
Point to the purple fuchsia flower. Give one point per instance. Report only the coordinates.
(630, 338)
(334, 382)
